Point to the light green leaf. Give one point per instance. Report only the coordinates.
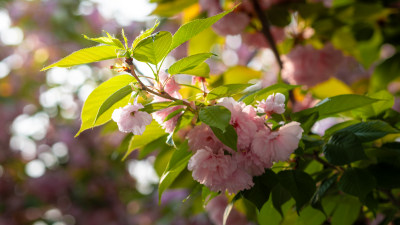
(264, 93)
(226, 91)
(106, 40)
(386, 102)
(188, 63)
(173, 114)
(202, 70)
(144, 35)
(176, 165)
(215, 116)
(153, 48)
(171, 8)
(152, 132)
(347, 210)
(191, 29)
(114, 98)
(98, 96)
(86, 55)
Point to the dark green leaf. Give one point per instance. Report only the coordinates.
(226, 90)
(325, 185)
(176, 165)
(259, 193)
(356, 181)
(385, 72)
(229, 137)
(188, 63)
(338, 127)
(299, 184)
(279, 196)
(215, 116)
(371, 130)
(343, 148)
(112, 99)
(334, 105)
(153, 48)
(386, 175)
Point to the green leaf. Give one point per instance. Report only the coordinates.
(384, 73)
(259, 193)
(173, 114)
(268, 215)
(343, 148)
(86, 55)
(226, 91)
(338, 127)
(264, 93)
(153, 48)
(279, 196)
(191, 29)
(144, 35)
(334, 105)
(114, 98)
(228, 138)
(215, 116)
(310, 216)
(202, 70)
(176, 165)
(387, 176)
(98, 96)
(188, 63)
(387, 101)
(325, 185)
(171, 8)
(346, 212)
(371, 130)
(358, 182)
(156, 106)
(300, 185)
(207, 195)
(152, 132)
(106, 40)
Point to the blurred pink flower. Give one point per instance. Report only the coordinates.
(258, 40)
(218, 171)
(251, 162)
(130, 119)
(216, 208)
(275, 103)
(201, 136)
(308, 66)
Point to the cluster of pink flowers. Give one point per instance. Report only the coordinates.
(129, 119)
(221, 168)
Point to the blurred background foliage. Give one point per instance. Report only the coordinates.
(49, 177)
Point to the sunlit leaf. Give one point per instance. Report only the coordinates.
(153, 48)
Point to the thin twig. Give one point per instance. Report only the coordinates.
(145, 88)
(323, 162)
(266, 30)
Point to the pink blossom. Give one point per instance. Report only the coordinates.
(251, 162)
(169, 85)
(257, 39)
(275, 103)
(201, 136)
(130, 119)
(273, 146)
(308, 66)
(218, 171)
(216, 208)
(170, 124)
(244, 119)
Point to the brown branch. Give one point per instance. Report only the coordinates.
(266, 30)
(323, 162)
(145, 88)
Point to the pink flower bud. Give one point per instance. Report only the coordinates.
(275, 103)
